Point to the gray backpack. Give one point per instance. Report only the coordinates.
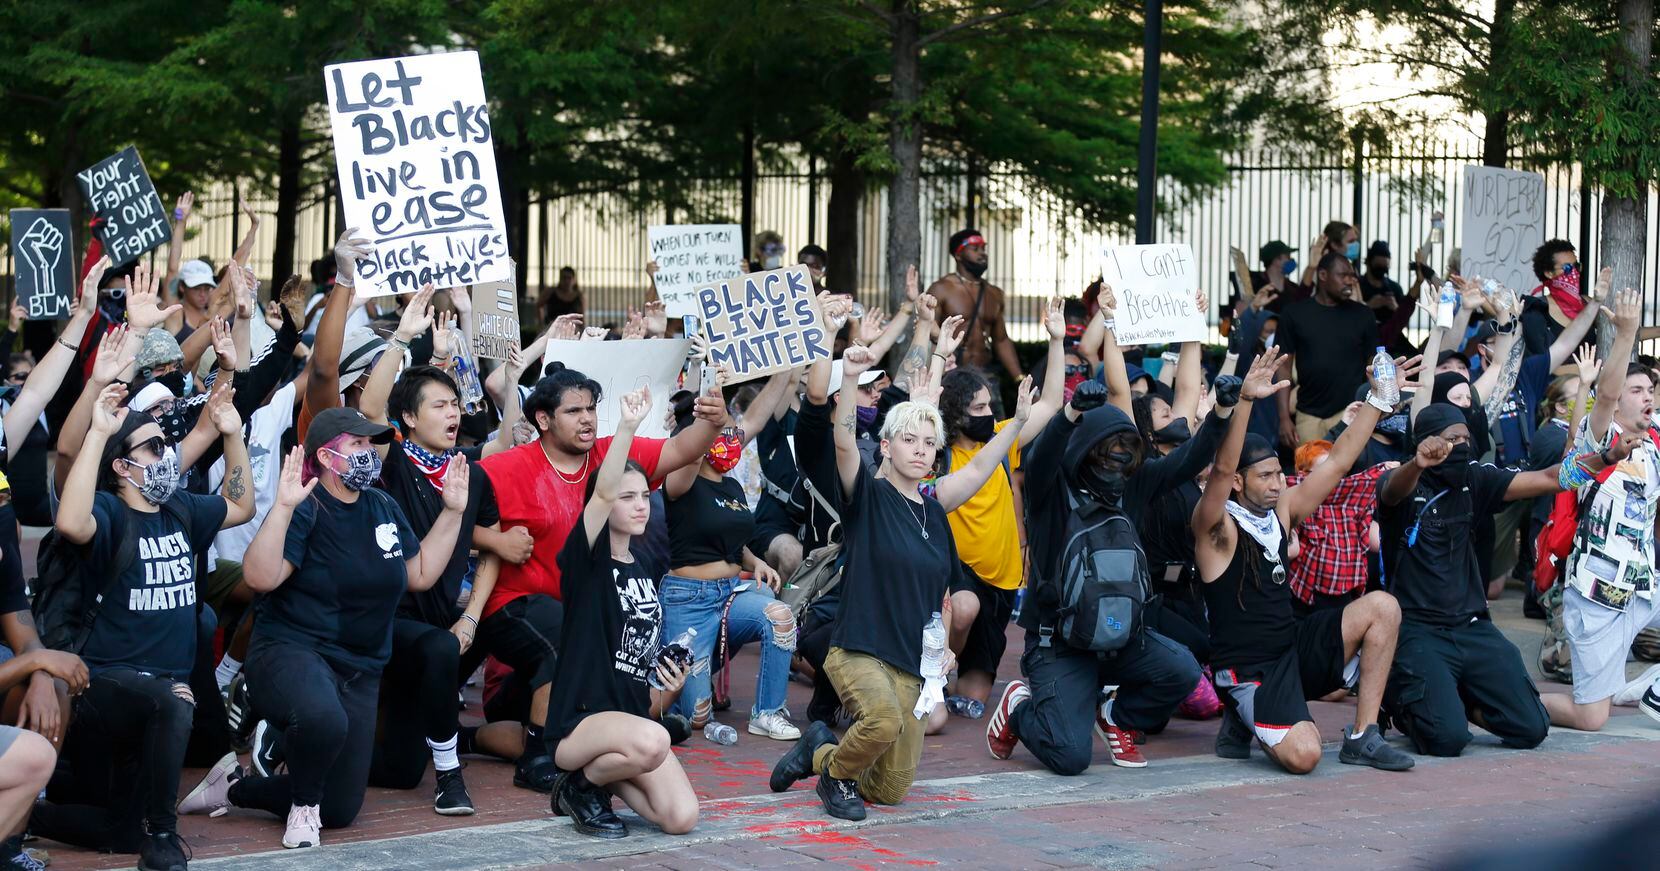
(1103, 581)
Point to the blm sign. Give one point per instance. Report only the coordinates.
(763, 322)
(417, 163)
(121, 195)
(41, 249)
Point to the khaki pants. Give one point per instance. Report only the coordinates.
(881, 749)
(1310, 428)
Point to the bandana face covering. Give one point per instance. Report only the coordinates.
(867, 416)
(161, 478)
(363, 468)
(726, 451)
(1564, 291)
(432, 466)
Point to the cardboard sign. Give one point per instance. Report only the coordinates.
(417, 162)
(495, 319)
(689, 255)
(119, 191)
(1503, 224)
(40, 251)
(764, 322)
(1155, 286)
(622, 367)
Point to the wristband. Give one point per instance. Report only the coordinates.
(343, 282)
(400, 343)
(941, 356)
(1110, 324)
(1603, 455)
(178, 214)
(1373, 400)
(469, 618)
(67, 345)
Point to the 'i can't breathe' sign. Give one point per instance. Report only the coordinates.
(417, 163)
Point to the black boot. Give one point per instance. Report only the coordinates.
(798, 762)
(588, 806)
(841, 798)
(162, 851)
(535, 773)
(1233, 739)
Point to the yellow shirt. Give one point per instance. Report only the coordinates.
(987, 539)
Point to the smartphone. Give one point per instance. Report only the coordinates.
(691, 325)
(708, 377)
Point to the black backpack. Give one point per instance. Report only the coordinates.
(1103, 582)
(66, 573)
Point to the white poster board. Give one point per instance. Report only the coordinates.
(1503, 223)
(763, 323)
(417, 163)
(1155, 286)
(622, 367)
(688, 255)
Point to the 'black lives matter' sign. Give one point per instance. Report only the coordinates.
(119, 191)
(417, 162)
(41, 250)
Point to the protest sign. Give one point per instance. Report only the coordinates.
(623, 367)
(689, 255)
(1155, 286)
(1504, 223)
(495, 318)
(416, 156)
(120, 193)
(764, 322)
(40, 251)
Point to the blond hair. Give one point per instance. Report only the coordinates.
(908, 416)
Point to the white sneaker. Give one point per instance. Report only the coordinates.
(213, 795)
(774, 725)
(1631, 692)
(305, 827)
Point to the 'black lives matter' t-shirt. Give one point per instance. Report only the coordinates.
(894, 579)
(1438, 579)
(612, 629)
(149, 622)
(422, 503)
(1333, 344)
(348, 577)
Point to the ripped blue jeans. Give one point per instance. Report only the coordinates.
(756, 615)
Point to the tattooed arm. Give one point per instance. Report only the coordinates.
(855, 362)
(238, 488)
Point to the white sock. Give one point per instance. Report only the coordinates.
(1106, 711)
(226, 671)
(443, 754)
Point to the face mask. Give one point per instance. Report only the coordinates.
(975, 269)
(1268, 341)
(1290, 267)
(173, 425)
(1393, 426)
(1353, 251)
(173, 381)
(160, 478)
(867, 416)
(1106, 486)
(1072, 382)
(725, 452)
(1173, 433)
(980, 427)
(362, 468)
(1455, 469)
(773, 262)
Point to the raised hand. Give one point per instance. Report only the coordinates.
(290, 490)
(1587, 364)
(252, 216)
(461, 296)
(593, 334)
(925, 388)
(87, 303)
(456, 480)
(143, 296)
(635, 326)
(417, 316)
(1107, 299)
(108, 411)
(634, 406)
(515, 365)
(273, 315)
(1024, 396)
(951, 336)
(657, 318)
(913, 288)
(1201, 301)
(1054, 318)
(1259, 381)
(113, 356)
(349, 249)
(1088, 396)
(872, 324)
(294, 299)
(445, 338)
(181, 208)
(651, 269)
(224, 344)
(566, 327)
(856, 361)
(1605, 286)
(1226, 390)
(221, 410)
(1407, 369)
(1628, 310)
(1431, 452)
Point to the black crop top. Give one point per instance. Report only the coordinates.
(710, 522)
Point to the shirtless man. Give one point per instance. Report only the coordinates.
(957, 293)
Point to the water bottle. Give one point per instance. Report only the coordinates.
(933, 647)
(466, 373)
(1383, 372)
(963, 706)
(720, 733)
(1447, 308)
(679, 650)
(1437, 228)
(857, 313)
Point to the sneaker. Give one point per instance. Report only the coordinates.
(1631, 692)
(1120, 742)
(265, 757)
(450, 795)
(774, 725)
(1650, 703)
(588, 806)
(305, 827)
(161, 851)
(1233, 739)
(1369, 748)
(535, 773)
(841, 798)
(1201, 703)
(798, 763)
(23, 861)
(213, 795)
(1000, 737)
(237, 714)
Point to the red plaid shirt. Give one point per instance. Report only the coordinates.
(1331, 559)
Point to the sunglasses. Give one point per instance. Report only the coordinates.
(18, 377)
(154, 444)
(1279, 568)
(1569, 268)
(1077, 369)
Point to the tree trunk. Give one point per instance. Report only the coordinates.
(905, 140)
(1495, 146)
(289, 164)
(746, 191)
(1625, 218)
(847, 190)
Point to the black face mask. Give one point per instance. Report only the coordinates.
(975, 269)
(1454, 471)
(173, 381)
(173, 426)
(1106, 485)
(980, 427)
(1173, 433)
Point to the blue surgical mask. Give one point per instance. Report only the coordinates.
(1291, 267)
(1353, 251)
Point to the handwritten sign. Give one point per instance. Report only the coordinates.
(40, 249)
(1503, 224)
(1155, 286)
(417, 163)
(689, 255)
(496, 317)
(764, 322)
(120, 192)
(622, 367)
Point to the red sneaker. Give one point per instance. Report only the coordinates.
(1000, 737)
(1122, 744)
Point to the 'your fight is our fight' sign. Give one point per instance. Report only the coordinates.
(417, 162)
(120, 193)
(1503, 224)
(764, 322)
(1155, 286)
(688, 255)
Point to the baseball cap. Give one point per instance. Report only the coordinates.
(196, 273)
(332, 423)
(1273, 249)
(159, 347)
(358, 352)
(866, 378)
(1379, 248)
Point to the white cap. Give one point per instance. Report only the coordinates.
(866, 378)
(196, 273)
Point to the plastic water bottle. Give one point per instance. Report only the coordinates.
(1383, 371)
(720, 733)
(466, 373)
(679, 650)
(1447, 308)
(963, 706)
(933, 647)
(1437, 228)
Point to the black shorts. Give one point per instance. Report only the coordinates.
(772, 519)
(1273, 696)
(524, 635)
(988, 636)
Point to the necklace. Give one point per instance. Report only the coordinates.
(581, 474)
(921, 521)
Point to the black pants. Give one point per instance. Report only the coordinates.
(145, 726)
(327, 717)
(1444, 675)
(210, 734)
(1153, 675)
(813, 645)
(524, 635)
(417, 702)
(1181, 621)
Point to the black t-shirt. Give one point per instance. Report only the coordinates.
(348, 578)
(1438, 579)
(1390, 288)
(422, 502)
(894, 579)
(1251, 619)
(1544, 451)
(772, 445)
(710, 522)
(1333, 344)
(612, 631)
(1166, 528)
(149, 622)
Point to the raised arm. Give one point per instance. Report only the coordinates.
(1209, 533)
(1398, 483)
(175, 245)
(1112, 359)
(1049, 402)
(1590, 368)
(245, 250)
(760, 410)
(116, 352)
(424, 569)
(688, 446)
(323, 386)
(902, 319)
(1628, 310)
(1499, 379)
(74, 520)
(958, 487)
(1426, 377)
(377, 387)
(511, 405)
(263, 566)
(48, 375)
(1305, 498)
(855, 362)
(238, 487)
(632, 407)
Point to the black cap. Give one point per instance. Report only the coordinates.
(1379, 248)
(1273, 249)
(334, 422)
(1452, 355)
